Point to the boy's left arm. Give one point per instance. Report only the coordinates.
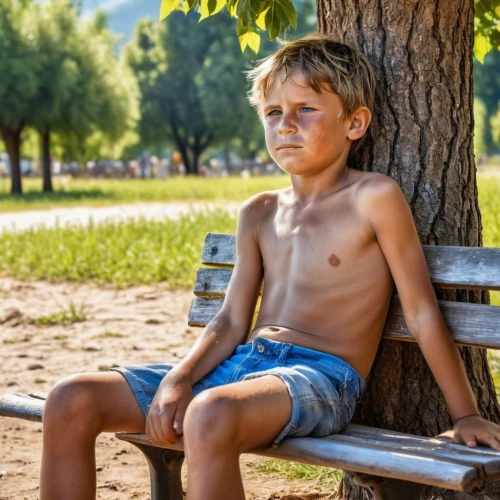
(391, 220)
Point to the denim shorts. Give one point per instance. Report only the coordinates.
(323, 388)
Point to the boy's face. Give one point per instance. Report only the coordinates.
(305, 131)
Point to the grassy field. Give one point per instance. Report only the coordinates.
(120, 254)
(104, 192)
(128, 253)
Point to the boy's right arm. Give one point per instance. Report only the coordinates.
(222, 334)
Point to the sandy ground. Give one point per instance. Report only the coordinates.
(17, 221)
(153, 323)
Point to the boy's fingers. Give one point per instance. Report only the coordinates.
(491, 441)
(166, 422)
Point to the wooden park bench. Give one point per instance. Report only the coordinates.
(413, 461)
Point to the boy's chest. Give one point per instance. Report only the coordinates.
(315, 241)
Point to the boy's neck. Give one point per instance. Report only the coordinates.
(329, 181)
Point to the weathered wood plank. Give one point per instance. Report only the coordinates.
(470, 324)
(365, 458)
(212, 283)
(449, 267)
(203, 310)
(21, 406)
(487, 463)
(219, 249)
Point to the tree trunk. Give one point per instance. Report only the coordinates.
(422, 136)
(227, 159)
(12, 139)
(196, 162)
(46, 172)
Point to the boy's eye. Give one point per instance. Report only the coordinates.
(305, 108)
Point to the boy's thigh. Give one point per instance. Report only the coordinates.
(107, 396)
(255, 411)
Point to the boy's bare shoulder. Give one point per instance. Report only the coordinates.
(372, 182)
(373, 188)
(261, 204)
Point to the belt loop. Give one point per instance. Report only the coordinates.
(284, 352)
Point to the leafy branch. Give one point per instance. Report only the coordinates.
(254, 16)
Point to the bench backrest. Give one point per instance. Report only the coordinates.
(471, 268)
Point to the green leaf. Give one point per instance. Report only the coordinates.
(232, 6)
(254, 41)
(261, 20)
(481, 47)
(250, 39)
(167, 7)
(256, 6)
(241, 27)
(183, 7)
(210, 7)
(243, 41)
(272, 22)
(290, 11)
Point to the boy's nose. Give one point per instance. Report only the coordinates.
(287, 127)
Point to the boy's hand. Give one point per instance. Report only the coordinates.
(474, 429)
(166, 413)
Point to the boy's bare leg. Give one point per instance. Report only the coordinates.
(77, 409)
(222, 423)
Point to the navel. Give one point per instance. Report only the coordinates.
(333, 260)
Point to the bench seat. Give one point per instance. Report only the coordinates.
(432, 461)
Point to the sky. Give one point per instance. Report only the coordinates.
(91, 5)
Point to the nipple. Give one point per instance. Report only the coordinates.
(333, 260)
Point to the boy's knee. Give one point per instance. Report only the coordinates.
(211, 421)
(71, 405)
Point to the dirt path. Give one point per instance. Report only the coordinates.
(143, 324)
(17, 221)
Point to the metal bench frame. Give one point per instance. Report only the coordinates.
(410, 462)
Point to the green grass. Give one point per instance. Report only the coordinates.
(73, 314)
(329, 478)
(103, 192)
(117, 253)
(489, 203)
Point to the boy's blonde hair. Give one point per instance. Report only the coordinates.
(321, 59)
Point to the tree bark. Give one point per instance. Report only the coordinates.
(47, 174)
(422, 136)
(12, 139)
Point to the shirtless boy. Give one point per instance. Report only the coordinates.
(327, 249)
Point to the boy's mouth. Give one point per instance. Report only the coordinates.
(288, 146)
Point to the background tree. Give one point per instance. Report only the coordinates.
(192, 84)
(487, 89)
(480, 127)
(103, 113)
(18, 85)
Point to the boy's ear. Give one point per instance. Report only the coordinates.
(359, 122)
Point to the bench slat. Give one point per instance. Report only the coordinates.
(470, 324)
(360, 456)
(481, 456)
(203, 310)
(212, 283)
(472, 268)
(486, 460)
(21, 406)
